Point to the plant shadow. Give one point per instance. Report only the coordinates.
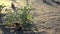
(7, 30)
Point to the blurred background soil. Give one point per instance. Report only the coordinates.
(46, 16)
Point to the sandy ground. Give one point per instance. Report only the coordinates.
(46, 17)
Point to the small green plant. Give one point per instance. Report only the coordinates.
(22, 16)
(26, 17)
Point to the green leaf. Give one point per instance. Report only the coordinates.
(29, 17)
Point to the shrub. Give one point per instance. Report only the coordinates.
(21, 16)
